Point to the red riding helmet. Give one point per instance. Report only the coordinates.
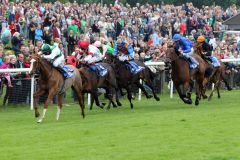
(83, 44)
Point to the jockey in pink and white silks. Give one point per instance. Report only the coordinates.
(92, 57)
(126, 54)
(54, 55)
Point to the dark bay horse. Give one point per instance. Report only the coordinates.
(126, 79)
(183, 78)
(91, 83)
(52, 82)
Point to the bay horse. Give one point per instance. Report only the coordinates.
(51, 81)
(126, 79)
(217, 75)
(91, 83)
(182, 76)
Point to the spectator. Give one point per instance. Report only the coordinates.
(38, 33)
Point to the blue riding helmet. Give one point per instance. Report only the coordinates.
(177, 37)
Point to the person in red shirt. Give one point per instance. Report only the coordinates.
(183, 28)
(13, 27)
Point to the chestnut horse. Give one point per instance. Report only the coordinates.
(217, 75)
(51, 81)
(182, 76)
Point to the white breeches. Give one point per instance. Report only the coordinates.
(59, 62)
(124, 57)
(188, 54)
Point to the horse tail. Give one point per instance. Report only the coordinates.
(208, 72)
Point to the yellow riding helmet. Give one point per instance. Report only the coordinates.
(201, 39)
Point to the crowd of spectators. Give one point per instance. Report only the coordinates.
(25, 25)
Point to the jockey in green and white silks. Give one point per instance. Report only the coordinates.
(54, 55)
(126, 54)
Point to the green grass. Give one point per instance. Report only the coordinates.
(165, 130)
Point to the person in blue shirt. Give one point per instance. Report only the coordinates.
(185, 47)
(125, 53)
(38, 33)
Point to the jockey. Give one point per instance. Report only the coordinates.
(54, 55)
(92, 56)
(207, 51)
(185, 47)
(126, 54)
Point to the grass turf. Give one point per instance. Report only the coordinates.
(165, 130)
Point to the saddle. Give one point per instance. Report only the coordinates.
(99, 69)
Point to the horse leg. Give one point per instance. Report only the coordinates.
(217, 87)
(129, 95)
(95, 96)
(45, 107)
(197, 94)
(150, 85)
(225, 82)
(117, 97)
(92, 101)
(59, 107)
(38, 93)
(80, 96)
(110, 97)
(182, 96)
(191, 84)
(139, 85)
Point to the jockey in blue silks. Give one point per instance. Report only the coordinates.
(126, 54)
(185, 47)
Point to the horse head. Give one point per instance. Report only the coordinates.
(35, 61)
(171, 55)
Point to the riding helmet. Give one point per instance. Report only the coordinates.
(200, 39)
(177, 37)
(83, 44)
(45, 48)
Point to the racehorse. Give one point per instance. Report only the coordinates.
(217, 75)
(51, 81)
(126, 79)
(182, 76)
(92, 81)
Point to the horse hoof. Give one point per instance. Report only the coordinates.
(157, 99)
(229, 88)
(149, 96)
(103, 104)
(119, 104)
(196, 103)
(189, 101)
(205, 97)
(114, 106)
(37, 115)
(131, 106)
(219, 97)
(39, 121)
